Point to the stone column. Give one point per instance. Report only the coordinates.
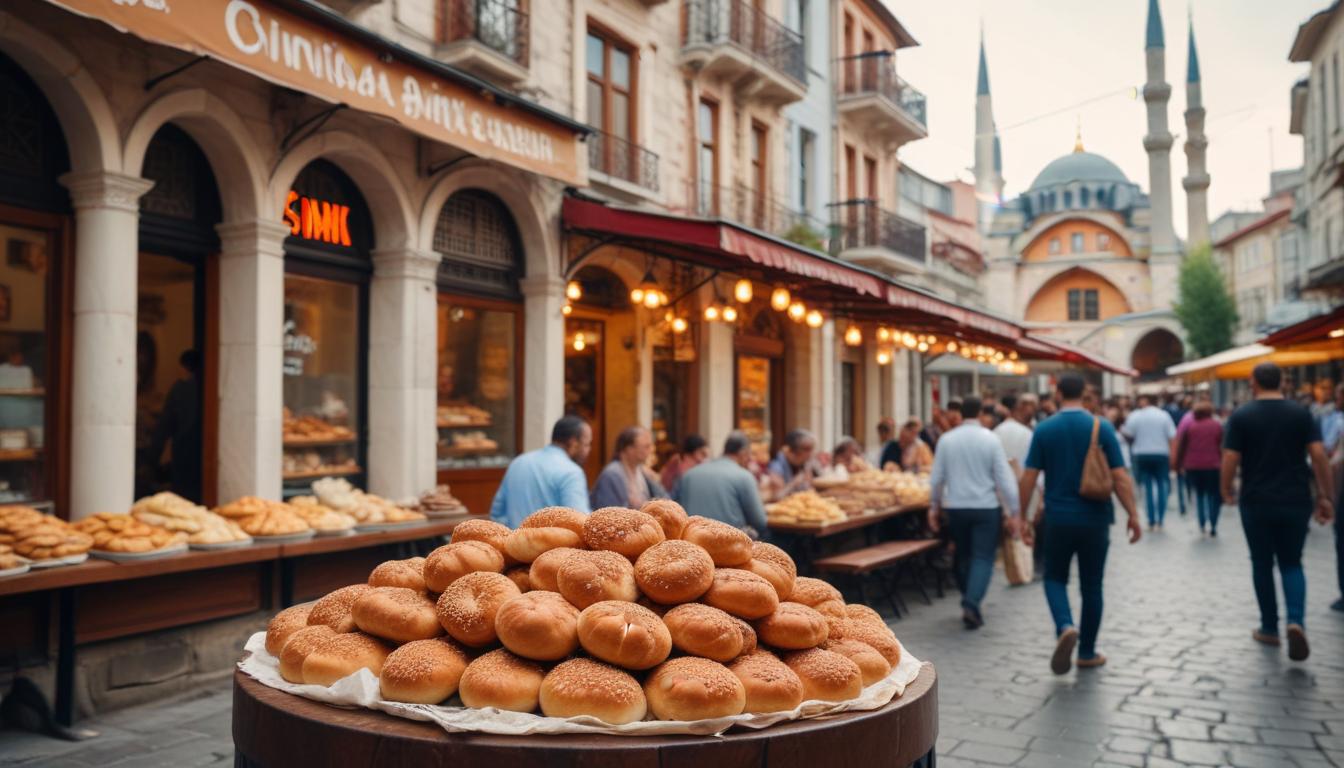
(717, 373)
(873, 407)
(828, 398)
(251, 337)
(543, 359)
(403, 350)
(102, 391)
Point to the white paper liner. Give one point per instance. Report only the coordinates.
(361, 690)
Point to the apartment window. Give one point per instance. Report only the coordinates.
(807, 143)
(1083, 304)
(611, 77)
(800, 8)
(870, 178)
(759, 164)
(1054, 246)
(1103, 241)
(706, 166)
(1076, 242)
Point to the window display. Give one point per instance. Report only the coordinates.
(23, 364)
(754, 406)
(477, 399)
(321, 378)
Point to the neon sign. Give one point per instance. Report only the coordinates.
(317, 219)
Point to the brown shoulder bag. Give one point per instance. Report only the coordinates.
(1097, 483)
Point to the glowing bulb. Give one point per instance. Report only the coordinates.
(814, 319)
(853, 336)
(743, 291)
(883, 333)
(566, 310)
(883, 357)
(668, 315)
(951, 346)
(780, 299)
(932, 339)
(679, 325)
(909, 340)
(1012, 355)
(712, 312)
(637, 296)
(573, 291)
(729, 314)
(797, 311)
(653, 299)
(579, 343)
(923, 346)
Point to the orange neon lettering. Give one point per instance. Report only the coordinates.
(307, 216)
(291, 215)
(317, 219)
(343, 218)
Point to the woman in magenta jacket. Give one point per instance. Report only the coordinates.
(1199, 441)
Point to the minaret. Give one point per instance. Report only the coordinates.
(1196, 181)
(988, 162)
(1164, 258)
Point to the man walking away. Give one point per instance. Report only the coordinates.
(1151, 431)
(968, 467)
(547, 477)
(1075, 525)
(1336, 448)
(723, 489)
(1270, 439)
(1015, 432)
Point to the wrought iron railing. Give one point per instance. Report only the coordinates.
(621, 159)
(875, 73)
(862, 224)
(501, 25)
(744, 205)
(717, 22)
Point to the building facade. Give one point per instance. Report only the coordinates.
(1317, 116)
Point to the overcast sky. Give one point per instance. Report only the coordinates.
(1047, 57)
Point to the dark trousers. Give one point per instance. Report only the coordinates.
(1089, 543)
(1339, 546)
(1208, 498)
(975, 536)
(1276, 535)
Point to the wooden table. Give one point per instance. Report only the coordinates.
(274, 728)
(840, 526)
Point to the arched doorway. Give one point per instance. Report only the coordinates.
(1154, 351)
(599, 350)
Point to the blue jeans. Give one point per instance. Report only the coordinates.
(1060, 544)
(1182, 488)
(1208, 498)
(975, 534)
(1153, 470)
(1277, 534)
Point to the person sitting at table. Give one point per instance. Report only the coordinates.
(694, 451)
(795, 465)
(848, 453)
(886, 435)
(908, 452)
(722, 489)
(627, 481)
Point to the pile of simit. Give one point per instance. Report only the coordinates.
(618, 615)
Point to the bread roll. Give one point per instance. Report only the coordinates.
(674, 572)
(620, 530)
(793, 626)
(333, 609)
(409, 573)
(583, 687)
(527, 544)
(813, 592)
(741, 593)
(831, 609)
(691, 688)
(627, 635)
(543, 570)
(486, 532)
(501, 680)
(397, 614)
(748, 636)
(774, 565)
(298, 646)
(700, 630)
(585, 578)
(556, 517)
(769, 683)
(859, 612)
(826, 675)
(538, 625)
(453, 561)
(467, 608)
(670, 515)
(284, 624)
(871, 664)
(340, 656)
(519, 575)
(728, 546)
(423, 671)
(880, 638)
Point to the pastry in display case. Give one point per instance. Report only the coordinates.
(440, 502)
(477, 407)
(753, 404)
(122, 534)
(203, 528)
(43, 539)
(366, 508)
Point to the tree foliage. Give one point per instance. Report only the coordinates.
(1205, 307)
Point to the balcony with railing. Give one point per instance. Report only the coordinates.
(740, 42)
(488, 38)
(743, 205)
(864, 233)
(621, 166)
(875, 97)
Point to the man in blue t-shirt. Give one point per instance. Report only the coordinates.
(1074, 525)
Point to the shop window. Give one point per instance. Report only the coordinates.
(755, 403)
(1083, 304)
(477, 384)
(26, 365)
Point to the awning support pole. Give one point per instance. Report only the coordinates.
(153, 81)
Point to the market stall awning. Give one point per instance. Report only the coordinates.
(1326, 327)
(1236, 363)
(1037, 348)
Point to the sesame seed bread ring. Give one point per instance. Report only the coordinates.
(623, 531)
(674, 572)
(692, 688)
(468, 607)
(423, 671)
(728, 546)
(584, 687)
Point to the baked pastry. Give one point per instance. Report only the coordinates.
(8, 559)
(501, 680)
(319, 516)
(826, 675)
(726, 545)
(50, 539)
(860, 612)
(343, 655)
(423, 671)
(872, 666)
(587, 688)
(669, 514)
(625, 634)
(620, 530)
(700, 630)
(691, 688)
(397, 614)
(485, 531)
(334, 608)
(113, 532)
(439, 502)
(284, 624)
(793, 626)
(174, 513)
(408, 573)
(748, 636)
(585, 578)
(774, 565)
(741, 593)
(770, 685)
(520, 575)
(538, 625)
(818, 595)
(543, 571)
(453, 561)
(556, 517)
(527, 544)
(674, 571)
(467, 608)
(296, 649)
(880, 638)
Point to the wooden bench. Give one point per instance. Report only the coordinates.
(886, 561)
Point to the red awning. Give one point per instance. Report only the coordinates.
(1034, 347)
(1312, 329)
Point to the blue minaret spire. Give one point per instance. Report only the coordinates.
(1192, 62)
(1155, 37)
(982, 82)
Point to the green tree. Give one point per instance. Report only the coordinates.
(1205, 308)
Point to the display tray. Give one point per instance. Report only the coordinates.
(321, 473)
(285, 538)
(60, 561)
(332, 533)
(465, 451)
(374, 527)
(316, 442)
(479, 424)
(220, 545)
(17, 570)
(132, 557)
(460, 509)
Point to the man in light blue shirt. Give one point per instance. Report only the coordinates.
(970, 474)
(1151, 432)
(548, 477)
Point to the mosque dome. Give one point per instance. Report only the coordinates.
(1079, 166)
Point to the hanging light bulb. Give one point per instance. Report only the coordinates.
(679, 325)
(573, 291)
(729, 314)
(780, 299)
(883, 357)
(951, 346)
(883, 333)
(637, 295)
(932, 339)
(797, 311)
(1012, 355)
(566, 310)
(668, 316)
(653, 299)
(814, 319)
(579, 343)
(853, 336)
(923, 346)
(909, 340)
(743, 291)
(712, 312)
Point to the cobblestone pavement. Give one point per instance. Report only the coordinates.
(1185, 684)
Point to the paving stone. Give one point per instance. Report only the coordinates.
(1183, 729)
(987, 753)
(1197, 752)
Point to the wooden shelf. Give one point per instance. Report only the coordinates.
(20, 454)
(317, 442)
(319, 473)
(29, 392)
(477, 425)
